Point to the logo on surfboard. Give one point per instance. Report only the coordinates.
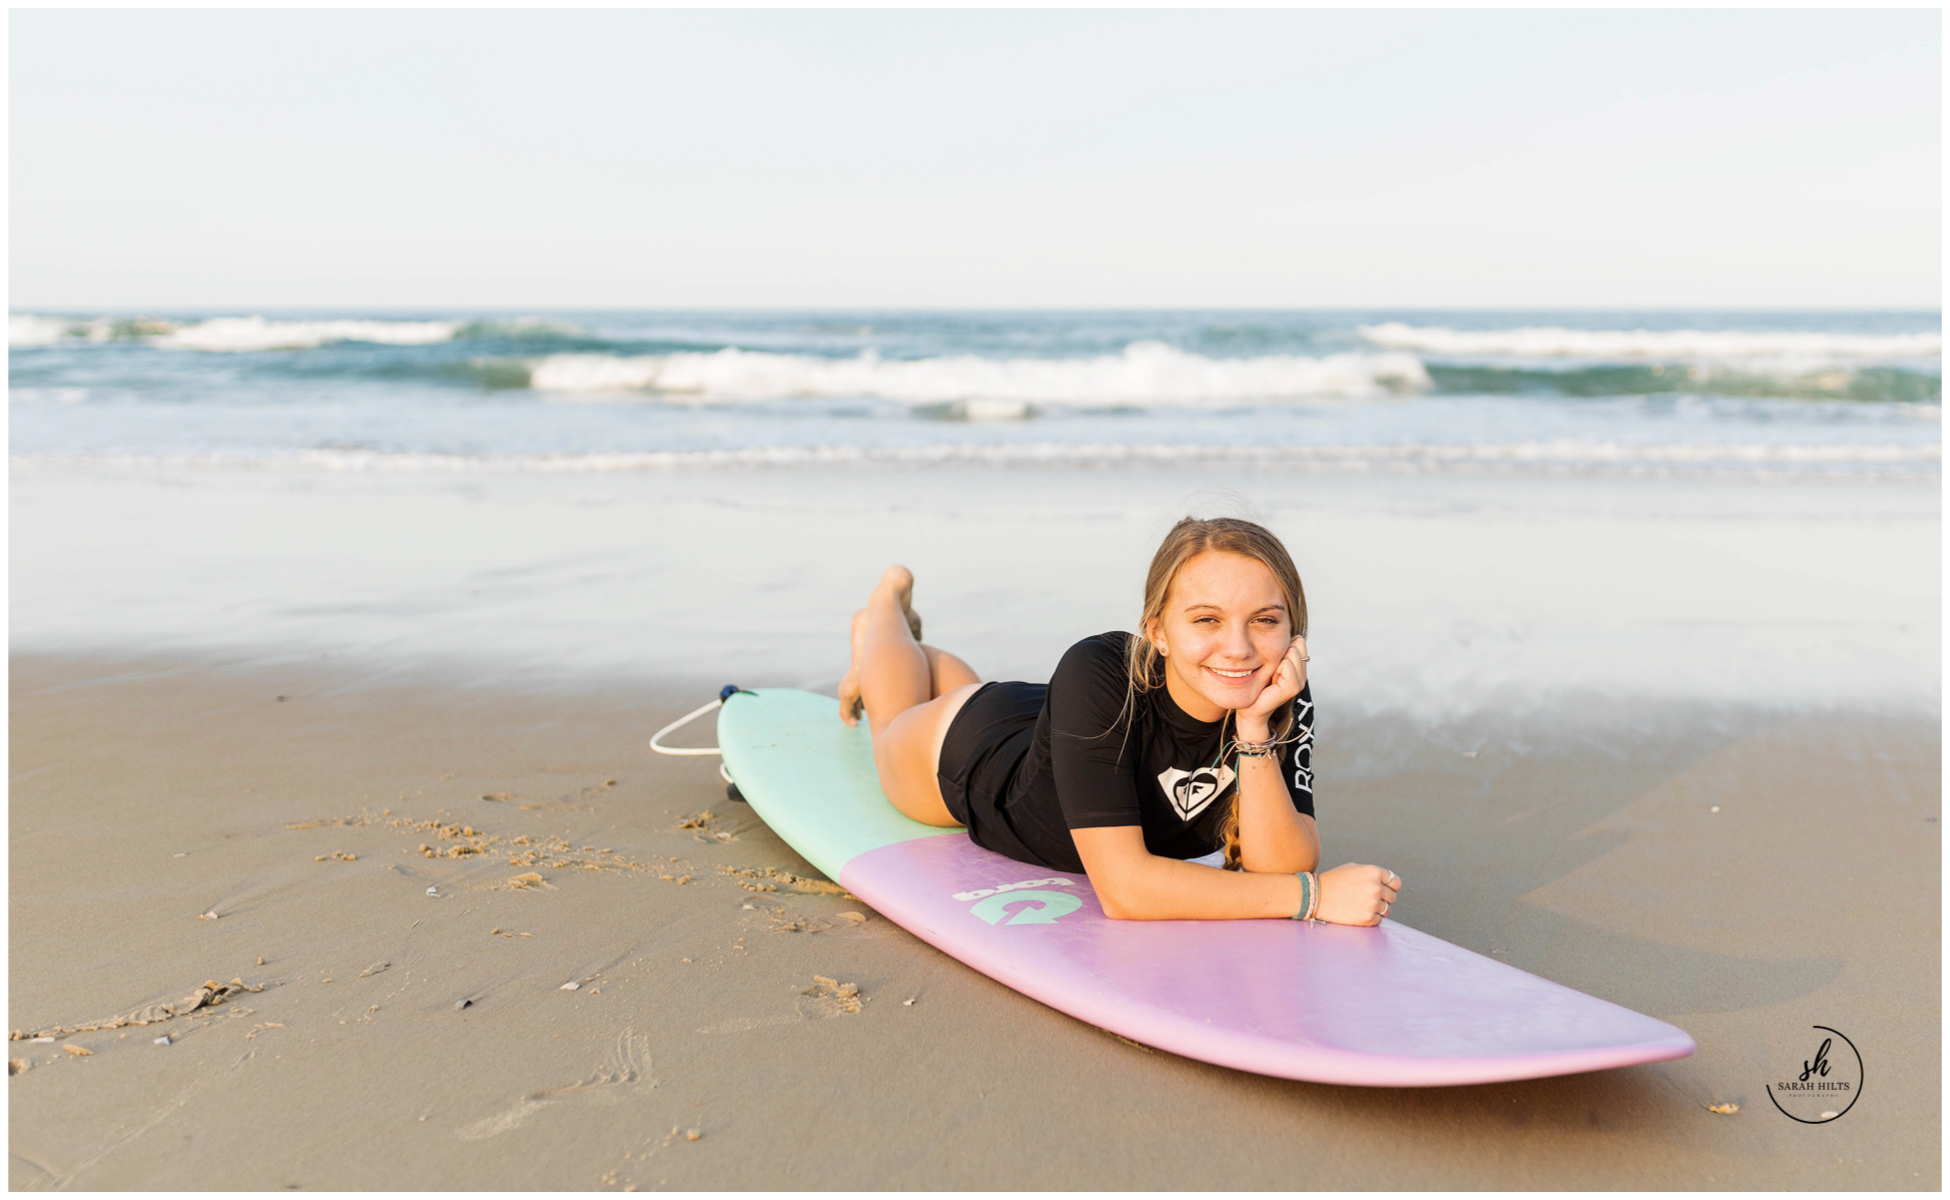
(1038, 905)
(1191, 791)
(1044, 908)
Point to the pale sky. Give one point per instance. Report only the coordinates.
(242, 160)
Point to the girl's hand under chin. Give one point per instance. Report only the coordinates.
(1288, 678)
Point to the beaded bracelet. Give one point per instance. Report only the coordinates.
(1263, 749)
(1309, 895)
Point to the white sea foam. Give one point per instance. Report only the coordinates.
(25, 329)
(241, 334)
(228, 334)
(1797, 349)
(1145, 373)
(1881, 460)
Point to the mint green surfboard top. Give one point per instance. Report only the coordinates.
(793, 745)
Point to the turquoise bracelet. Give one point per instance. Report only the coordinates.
(1309, 895)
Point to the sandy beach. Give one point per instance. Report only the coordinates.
(321, 770)
(409, 413)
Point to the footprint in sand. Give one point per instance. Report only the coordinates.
(827, 998)
(628, 1065)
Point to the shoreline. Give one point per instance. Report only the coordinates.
(1595, 863)
(1430, 593)
(1877, 463)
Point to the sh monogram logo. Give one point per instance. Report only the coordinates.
(1825, 1086)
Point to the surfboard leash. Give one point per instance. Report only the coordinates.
(656, 739)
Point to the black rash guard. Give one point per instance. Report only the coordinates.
(1023, 764)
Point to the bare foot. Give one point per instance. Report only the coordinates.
(850, 704)
(901, 580)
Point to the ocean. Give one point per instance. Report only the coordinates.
(1856, 395)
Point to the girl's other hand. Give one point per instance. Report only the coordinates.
(1357, 895)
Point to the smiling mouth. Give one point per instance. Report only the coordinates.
(1233, 675)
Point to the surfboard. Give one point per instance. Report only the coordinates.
(1382, 1006)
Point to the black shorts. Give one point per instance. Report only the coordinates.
(986, 742)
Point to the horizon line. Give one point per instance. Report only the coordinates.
(112, 309)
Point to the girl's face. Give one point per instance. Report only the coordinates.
(1224, 631)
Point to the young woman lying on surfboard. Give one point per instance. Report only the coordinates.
(1194, 735)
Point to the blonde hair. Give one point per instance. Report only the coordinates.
(1187, 540)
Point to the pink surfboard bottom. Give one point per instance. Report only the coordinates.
(1378, 1007)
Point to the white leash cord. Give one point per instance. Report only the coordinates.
(687, 751)
(679, 723)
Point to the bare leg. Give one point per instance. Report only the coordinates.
(850, 683)
(946, 671)
(910, 696)
(894, 674)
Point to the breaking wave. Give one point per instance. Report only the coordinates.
(981, 369)
(242, 335)
(1695, 345)
(1146, 373)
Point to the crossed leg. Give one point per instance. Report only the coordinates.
(911, 694)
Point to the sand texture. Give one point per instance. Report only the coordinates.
(405, 933)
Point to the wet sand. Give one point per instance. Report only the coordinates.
(1429, 594)
(177, 820)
